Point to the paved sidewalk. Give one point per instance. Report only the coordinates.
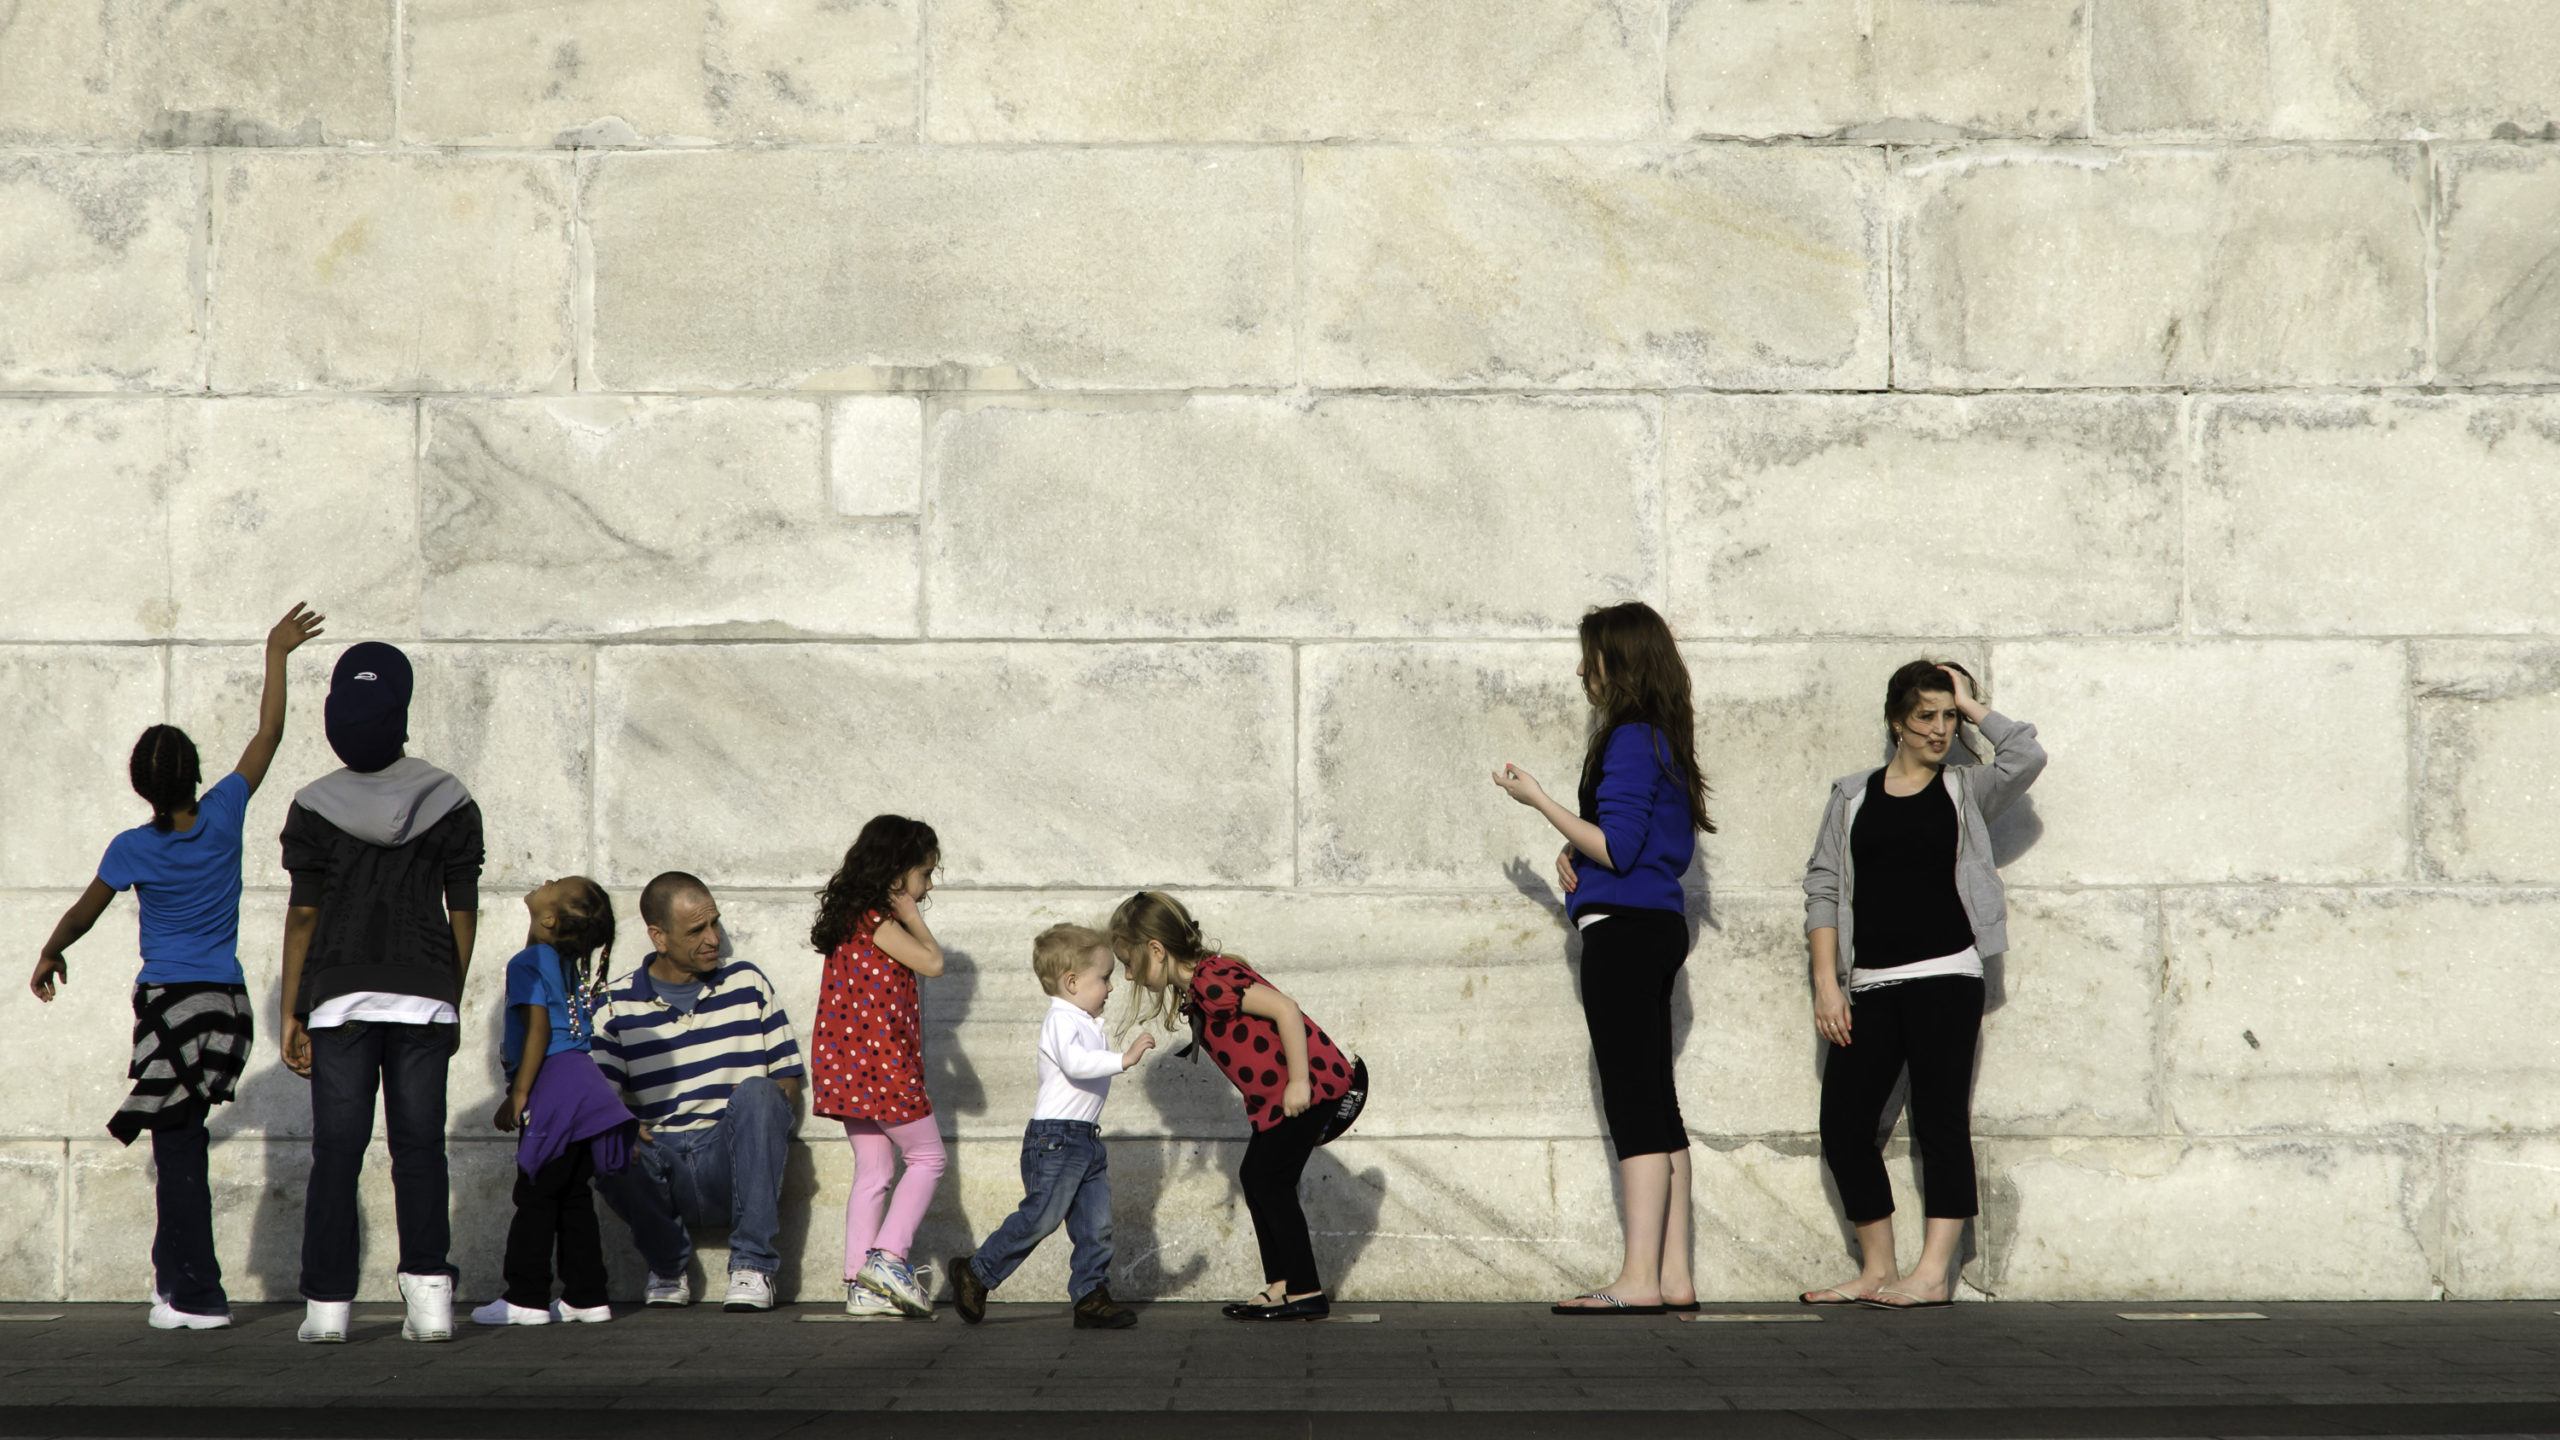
(1418, 1370)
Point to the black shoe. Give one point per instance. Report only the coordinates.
(1098, 1311)
(966, 1293)
(1313, 1307)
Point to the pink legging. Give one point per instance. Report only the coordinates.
(866, 1228)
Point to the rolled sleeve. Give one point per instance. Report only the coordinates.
(1822, 870)
(1630, 773)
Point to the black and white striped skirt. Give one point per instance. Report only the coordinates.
(189, 1044)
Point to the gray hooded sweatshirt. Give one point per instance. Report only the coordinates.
(386, 856)
(1981, 792)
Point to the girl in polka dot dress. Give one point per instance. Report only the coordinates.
(1300, 1090)
(867, 1059)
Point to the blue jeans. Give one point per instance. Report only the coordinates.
(349, 1064)
(726, 1173)
(1066, 1176)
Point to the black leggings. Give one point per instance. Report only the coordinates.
(555, 1206)
(1273, 1161)
(1932, 1026)
(1629, 961)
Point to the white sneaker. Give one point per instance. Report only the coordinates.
(165, 1316)
(749, 1290)
(861, 1304)
(566, 1314)
(892, 1280)
(430, 1300)
(501, 1311)
(670, 1290)
(324, 1322)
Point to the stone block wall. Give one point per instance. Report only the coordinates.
(1170, 446)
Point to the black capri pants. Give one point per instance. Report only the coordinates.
(1931, 1025)
(1629, 960)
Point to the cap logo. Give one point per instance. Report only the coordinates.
(364, 675)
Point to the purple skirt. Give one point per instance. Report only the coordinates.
(573, 1102)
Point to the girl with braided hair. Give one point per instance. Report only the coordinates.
(573, 1123)
(191, 1001)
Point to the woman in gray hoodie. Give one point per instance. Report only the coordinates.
(1902, 901)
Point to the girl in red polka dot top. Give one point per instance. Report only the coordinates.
(1300, 1090)
(866, 1057)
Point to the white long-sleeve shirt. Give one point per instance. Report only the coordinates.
(1075, 1066)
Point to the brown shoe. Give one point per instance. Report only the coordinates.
(966, 1291)
(1098, 1311)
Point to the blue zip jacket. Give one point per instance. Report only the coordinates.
(1643, 811)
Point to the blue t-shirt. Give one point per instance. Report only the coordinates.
(188, 883)
(535, 977)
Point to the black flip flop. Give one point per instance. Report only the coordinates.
(1611, 1305)
(1689, 1309)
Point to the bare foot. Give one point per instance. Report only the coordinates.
(1847, 1292)
(1919, 1287)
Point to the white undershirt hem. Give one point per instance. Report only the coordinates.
(1964, 962)
(381, 1007)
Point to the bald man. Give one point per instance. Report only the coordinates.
(706, 1058)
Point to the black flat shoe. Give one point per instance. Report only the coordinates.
(1314, 1307)
(967, 1293)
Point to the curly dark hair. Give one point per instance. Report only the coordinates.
(165, 773)
(585, 943)
(888, 847)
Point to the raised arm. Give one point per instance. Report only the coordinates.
(297, 626)
(75, 922)
(2016, 758)
(908, 940)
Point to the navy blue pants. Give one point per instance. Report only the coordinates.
(182, 1260)
(1066, 1178)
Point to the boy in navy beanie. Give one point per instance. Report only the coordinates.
(385, 857)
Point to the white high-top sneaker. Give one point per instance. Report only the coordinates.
(324, 1322)
(430, 1300)
(670, 1290)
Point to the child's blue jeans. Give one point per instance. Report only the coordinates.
(1066, 1178)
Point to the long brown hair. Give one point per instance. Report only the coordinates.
(1635, 676)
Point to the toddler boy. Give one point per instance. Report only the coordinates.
(1065, 1175)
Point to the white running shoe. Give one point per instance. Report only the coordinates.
(324, 1322)
(430, 1300)
(892, 1280)
(861, 1304)
(502, 1311)
(563, 1313)
(165, 1316)
(670, 1290)
(749, 1290)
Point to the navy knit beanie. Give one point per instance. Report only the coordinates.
(367, 715)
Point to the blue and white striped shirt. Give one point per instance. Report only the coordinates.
(677, 1070)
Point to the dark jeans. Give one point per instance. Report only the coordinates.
(1930, 1025)
(1629, 961)
(1273, 1161)
(555, 1207)
(728, 1173)
(349, 1063)
(1066, 1178)
(186, 1272)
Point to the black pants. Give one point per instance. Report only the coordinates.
(1629, 961)
(349, 1063)
(555, 1208)
(182, 1258)
(1931, 1025)
(1274, 1159)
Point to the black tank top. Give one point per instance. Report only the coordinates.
(1902, 853)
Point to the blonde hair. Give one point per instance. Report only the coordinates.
(1061, 950)
(1154, 915)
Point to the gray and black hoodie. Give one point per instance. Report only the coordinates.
(383, 855)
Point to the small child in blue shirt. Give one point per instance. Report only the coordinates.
(191, 1025)
(571, 1122)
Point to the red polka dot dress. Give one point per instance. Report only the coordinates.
(867, 1055)
(1247, 1047)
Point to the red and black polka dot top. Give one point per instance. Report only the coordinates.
(1247, 1047)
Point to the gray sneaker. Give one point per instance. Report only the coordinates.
(670, 1290)
(749, 1290)
(894, 1281)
